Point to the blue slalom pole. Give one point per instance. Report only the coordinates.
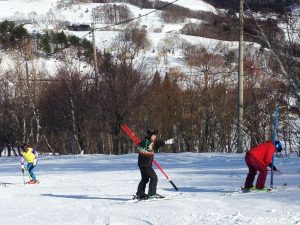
(274, 139)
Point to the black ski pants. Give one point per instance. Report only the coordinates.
(147, 173)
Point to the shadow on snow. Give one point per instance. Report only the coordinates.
(84, 197)
(199, 190)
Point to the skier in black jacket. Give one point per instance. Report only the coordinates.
(147, 147)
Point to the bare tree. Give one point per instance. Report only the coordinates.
(282, 49)
(65, 107)
(121, 92)
(130, 44)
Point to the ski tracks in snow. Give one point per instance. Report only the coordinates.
(209, 210)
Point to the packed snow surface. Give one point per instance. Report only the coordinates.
(96, 189)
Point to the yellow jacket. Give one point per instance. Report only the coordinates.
(28, 155)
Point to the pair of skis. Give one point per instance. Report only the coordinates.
(133, 137)
(30, 178)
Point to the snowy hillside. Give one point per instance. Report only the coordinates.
(194, 5)
(42, 15)
(96, 190)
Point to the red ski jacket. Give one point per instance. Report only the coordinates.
(263, 152)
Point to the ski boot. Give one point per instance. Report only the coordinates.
(32, 182)
(246, 190)
(29, 182)
(264, 189)
(141, 197)
(156, 196)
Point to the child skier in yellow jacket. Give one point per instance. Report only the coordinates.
(30, 155)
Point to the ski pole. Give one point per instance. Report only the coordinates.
(274, 139)
(28, 174)
(163, 172)
(23, 177)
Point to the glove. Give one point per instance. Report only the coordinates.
(22, 168)
(170, 141)
(158, 144)
(34, 162)
(274, 167)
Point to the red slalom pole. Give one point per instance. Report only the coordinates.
(163, 172)
(128, 131)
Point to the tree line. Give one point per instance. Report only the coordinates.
(70, 113)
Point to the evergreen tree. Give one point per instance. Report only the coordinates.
(19, 32)
(62, 39)
(46, 44)
(74, 40)
(88, 48)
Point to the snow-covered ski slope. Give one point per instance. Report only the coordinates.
(95, 189)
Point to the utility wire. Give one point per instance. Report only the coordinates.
(122, 22)
(135, 18)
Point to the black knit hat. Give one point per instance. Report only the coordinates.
(151, 132)
(24, 145)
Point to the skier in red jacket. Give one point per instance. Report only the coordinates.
(259, 158)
